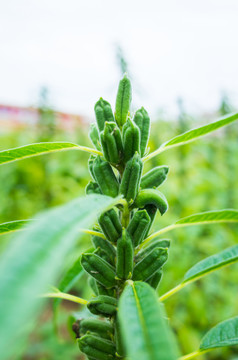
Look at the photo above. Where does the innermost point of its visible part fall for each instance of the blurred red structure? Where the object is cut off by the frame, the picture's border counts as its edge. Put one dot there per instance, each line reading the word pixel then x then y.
pixel 17 117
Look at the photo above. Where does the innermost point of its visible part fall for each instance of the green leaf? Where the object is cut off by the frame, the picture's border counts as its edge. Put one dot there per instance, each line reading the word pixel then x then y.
pixel 193 134
pixel 223 334
pixel 144 326
pixel 33 261
pixel 11 226
pixel 208 217
pixel 205 267
pixel 212 263
pixel 30 150
pixel 71 277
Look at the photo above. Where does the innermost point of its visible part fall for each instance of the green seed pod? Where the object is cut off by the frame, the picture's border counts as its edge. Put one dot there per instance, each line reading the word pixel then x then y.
pixel 99 327
pixel 142 120
pixel 110 225
pixel 104 291
pixel 131 139
pixel 151 197
pixel 103 255
pixel 154 177
pixel 154 280
pixel 105 177
pixel 123 101
pixel 103 112
pixel 93 284
pixel 97 348
pixel 92 188
pixel 94 136
pixel 164 243
pixel 150 264
pixel 120 346
pixel 125 255
pixel 90 165
pixel 112 143
pixel 151 211
pixel 138 226
pixel 103 305
pixel 105 245
pixel 98 268
pixel 130 182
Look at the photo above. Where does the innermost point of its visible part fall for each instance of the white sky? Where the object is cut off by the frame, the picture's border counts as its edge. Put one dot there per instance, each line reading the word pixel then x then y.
pixel 174 48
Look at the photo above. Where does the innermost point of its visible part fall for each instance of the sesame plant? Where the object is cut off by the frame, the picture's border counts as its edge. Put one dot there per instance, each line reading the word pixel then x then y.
pixel 125 262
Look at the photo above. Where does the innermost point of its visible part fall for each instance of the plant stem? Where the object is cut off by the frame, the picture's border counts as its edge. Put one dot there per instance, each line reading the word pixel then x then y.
pixel 89 150
pixel 65 296
pixel 154 153
pixel 173 291
pixel 194 354
pixel 92 232
pixel 157 233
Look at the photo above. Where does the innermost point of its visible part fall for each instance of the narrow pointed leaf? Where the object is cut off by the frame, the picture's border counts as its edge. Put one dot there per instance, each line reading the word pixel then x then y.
pixel 208 217
pixel 33 261
pixel 11 226
pixel 212 263
pixel 223 334
pixel 30 150
pixel 194 134
pixel 205 267
pixel 144 326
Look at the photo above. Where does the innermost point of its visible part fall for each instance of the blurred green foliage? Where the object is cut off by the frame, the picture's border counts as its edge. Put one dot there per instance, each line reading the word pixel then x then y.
pixel 203 176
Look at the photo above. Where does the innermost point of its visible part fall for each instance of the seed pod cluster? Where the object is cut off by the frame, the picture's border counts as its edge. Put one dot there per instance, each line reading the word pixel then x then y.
pixel 111 141
pixel 119 253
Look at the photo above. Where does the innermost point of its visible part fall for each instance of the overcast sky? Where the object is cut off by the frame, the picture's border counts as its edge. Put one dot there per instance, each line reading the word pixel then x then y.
pixel 185 48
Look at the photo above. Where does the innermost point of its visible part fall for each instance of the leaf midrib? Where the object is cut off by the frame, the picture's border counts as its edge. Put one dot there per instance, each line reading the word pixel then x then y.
pixel 143 322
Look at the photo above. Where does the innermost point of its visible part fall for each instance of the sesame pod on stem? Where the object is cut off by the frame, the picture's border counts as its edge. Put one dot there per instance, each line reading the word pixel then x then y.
pixel 105 245
pixel 92 188
pixel 98 268
pixel 154 177
pixel 104 291
pixel 162 243
pixel 103 112
pixel 123 101
pixel 105 177
pixel 130 181
pixel 103 255
pixel 154 280
pixel 151 197
pixel 112 143
pixel 138 226
pixel 120 346
pixel 103 305
pixel 151 211
pixel 125 256
pixel 142 120
pixel 99 327
pixel 130 139
pixel 93 285
pixel 90 165
pixel 110 225
pixel 94 136
pixel 97 348
pixel 150 264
